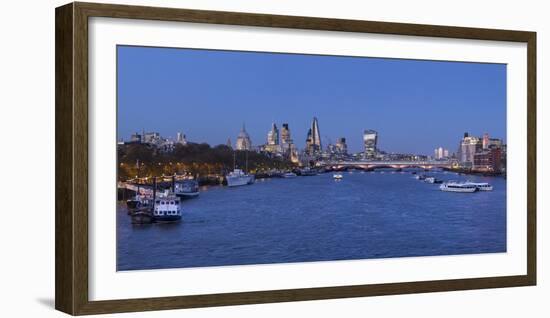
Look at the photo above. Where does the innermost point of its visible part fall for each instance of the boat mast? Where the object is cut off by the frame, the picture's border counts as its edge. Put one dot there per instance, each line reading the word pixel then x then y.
pixel 174 183
pixel 154 191
pixel 246 162
pixel 138 180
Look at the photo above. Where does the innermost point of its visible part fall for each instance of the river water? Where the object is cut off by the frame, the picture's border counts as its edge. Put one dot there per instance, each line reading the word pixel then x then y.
pixel 365 215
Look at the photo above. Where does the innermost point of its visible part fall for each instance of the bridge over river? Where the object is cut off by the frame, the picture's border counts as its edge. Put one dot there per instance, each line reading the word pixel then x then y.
pixel 363 164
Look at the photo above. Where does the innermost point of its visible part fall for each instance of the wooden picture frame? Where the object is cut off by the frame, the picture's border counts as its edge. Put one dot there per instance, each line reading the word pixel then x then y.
pixel 72 280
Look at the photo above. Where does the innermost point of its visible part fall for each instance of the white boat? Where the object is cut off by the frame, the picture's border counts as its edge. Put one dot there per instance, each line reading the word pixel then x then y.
pixel 453 186
pixel 289 175
pixel 238 178
pixel 167 208
pixel 338 176
pixel 481 186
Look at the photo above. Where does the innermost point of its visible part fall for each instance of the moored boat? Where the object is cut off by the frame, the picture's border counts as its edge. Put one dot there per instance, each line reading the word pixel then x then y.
pixel 138 202
pixel 167 208
pixel 142 216
pixel 238 178
pixel 132 203
pixel 338 176
pixel 187 189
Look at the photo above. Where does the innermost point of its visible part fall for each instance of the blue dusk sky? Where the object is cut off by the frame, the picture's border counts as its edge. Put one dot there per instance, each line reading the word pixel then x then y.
pixel 414 105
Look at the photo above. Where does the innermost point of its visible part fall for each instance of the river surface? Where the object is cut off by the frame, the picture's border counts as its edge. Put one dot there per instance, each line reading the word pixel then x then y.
pixel 315 218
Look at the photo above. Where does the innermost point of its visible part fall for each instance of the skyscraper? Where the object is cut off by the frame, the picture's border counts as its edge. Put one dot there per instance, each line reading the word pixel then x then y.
pixel 287 147
pixel 243 140
pixel 273 135
pixel 468 147
pixel 286 140
pixel 313 140
pixel 272 144
pixel 441 153
pixel 341 145
pixel 370 139
pixel 285 135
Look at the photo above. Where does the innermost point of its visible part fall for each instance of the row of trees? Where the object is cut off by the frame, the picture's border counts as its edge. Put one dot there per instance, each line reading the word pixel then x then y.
pixel 196 159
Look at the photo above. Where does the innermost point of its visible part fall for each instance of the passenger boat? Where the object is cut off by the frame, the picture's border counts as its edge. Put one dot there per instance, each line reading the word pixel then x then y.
pixel 167 208
pixel 338 176
pixel 481 186
pixel 289 175
pixel 420 177
pixel 453 186
pixel 187 189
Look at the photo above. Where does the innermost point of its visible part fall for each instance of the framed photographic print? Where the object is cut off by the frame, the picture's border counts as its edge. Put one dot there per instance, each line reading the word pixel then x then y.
pixel 211 158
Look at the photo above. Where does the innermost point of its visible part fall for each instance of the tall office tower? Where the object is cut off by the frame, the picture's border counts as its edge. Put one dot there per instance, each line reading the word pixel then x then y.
pixel 341 145
pixel 468 147
pixel 313 140
pixel 273 135
pixel 370 139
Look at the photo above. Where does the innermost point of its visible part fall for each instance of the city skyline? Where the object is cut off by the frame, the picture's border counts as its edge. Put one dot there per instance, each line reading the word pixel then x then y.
pixel 340 142
pixel 479 91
